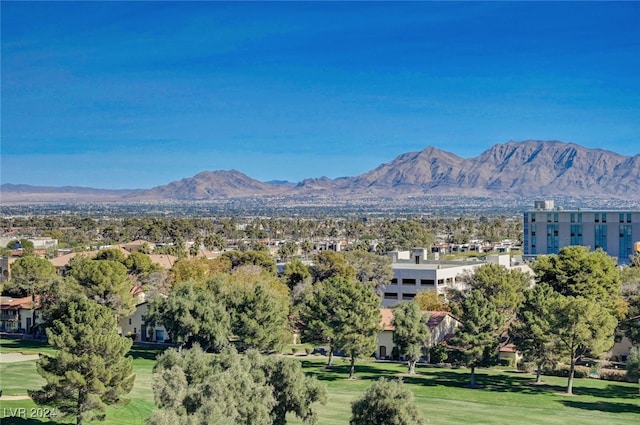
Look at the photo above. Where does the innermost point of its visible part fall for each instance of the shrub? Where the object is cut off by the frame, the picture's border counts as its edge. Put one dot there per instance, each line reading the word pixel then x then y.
pixel 308 350
pixel 527 367
pixel 563 371
pixel 438 354
pixel 505 362
pixel 613 375
pixel 386 402
pixel 294 350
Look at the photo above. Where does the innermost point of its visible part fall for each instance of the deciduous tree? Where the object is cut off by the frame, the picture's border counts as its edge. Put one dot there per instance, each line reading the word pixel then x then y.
pixel 431 301
pixel 371 269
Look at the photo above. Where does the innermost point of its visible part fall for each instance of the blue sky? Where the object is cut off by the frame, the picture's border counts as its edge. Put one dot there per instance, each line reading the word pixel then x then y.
pixel 138 94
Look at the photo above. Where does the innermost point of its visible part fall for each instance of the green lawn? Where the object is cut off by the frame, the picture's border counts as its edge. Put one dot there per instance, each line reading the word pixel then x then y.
pixel 506 397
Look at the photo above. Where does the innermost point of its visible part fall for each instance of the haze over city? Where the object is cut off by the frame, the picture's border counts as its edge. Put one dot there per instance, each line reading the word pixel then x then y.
pixel 137 94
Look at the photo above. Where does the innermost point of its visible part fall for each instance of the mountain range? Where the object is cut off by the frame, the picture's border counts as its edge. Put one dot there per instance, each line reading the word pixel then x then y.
pixel 514 169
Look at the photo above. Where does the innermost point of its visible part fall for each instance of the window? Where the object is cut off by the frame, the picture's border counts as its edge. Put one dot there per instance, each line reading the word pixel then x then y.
pixel 533 217
pixel 628 217
pixel 552 239
pixel 573 217
pixel 408 281
pixel 390 296
pixel 604 217
pixel 548 217
pixel 625 241
pixel 576 234
pixel 579 217
pixel 621 215
pixel 427 282
pixel 597 217
pixel 394 281
pixel 440 281
pixel 408 297
pixel 601 236
pixel 555 217
pixel 129 320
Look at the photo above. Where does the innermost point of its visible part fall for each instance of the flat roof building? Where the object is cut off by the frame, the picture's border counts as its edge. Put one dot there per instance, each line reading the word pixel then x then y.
pixel 415 271
pixel 547 229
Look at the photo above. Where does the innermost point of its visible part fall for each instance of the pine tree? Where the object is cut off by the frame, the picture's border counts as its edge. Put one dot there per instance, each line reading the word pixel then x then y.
pixel 90 369
pixel 411 331
pixel 580 326
pixel 358 321
pixel 478 338
pixel 531 331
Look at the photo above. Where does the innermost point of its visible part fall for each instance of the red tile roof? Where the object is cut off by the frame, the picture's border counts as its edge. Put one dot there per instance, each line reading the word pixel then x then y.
pixel 9 303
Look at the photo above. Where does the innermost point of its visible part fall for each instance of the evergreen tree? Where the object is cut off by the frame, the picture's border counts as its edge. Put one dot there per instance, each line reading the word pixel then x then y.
pixel 106 282
pixel 477 339
pixel 358 321
pixel 30 276
pixel 192 315
pixel 531 331
pixel 411 333
pixel 193 388
pixel 330 264
pixel 296 273
pixel 90 369
pixel 503 287
pixel 259 307
pixel 579 326
pixel 576 271
pixel 385 403
pixel 633 366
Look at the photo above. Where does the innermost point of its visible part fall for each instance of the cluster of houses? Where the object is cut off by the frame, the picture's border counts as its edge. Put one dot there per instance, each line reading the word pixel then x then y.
pixel 413 271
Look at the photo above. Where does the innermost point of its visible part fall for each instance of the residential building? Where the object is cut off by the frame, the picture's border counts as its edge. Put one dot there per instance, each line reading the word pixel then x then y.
pixel 135 326
pixel 547 229
pixel 441 325
pixel 18 315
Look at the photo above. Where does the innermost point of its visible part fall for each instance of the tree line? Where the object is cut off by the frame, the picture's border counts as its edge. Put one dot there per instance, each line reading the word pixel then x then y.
pixel 239 302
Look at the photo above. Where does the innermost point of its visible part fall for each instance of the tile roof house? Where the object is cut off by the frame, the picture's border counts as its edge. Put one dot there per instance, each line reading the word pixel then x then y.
pixel 18 315
pixel 441 324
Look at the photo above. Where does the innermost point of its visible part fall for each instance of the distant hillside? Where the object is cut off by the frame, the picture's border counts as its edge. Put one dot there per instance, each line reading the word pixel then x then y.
pixel 514 169
pixel 207 185
pixel 531 168
pixel 23 193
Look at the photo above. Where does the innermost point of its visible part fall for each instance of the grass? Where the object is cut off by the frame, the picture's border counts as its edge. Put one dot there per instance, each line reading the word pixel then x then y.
pixel 506 397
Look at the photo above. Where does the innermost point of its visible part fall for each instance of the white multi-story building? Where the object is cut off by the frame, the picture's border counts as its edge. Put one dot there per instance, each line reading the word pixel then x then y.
pixel 547 229
pixel 414 271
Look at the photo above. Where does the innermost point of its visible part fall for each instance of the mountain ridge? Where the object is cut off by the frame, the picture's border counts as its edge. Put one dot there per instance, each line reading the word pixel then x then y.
pixel 511 169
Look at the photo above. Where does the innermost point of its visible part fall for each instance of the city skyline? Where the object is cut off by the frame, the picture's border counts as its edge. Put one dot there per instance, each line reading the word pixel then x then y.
pixel 134 95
